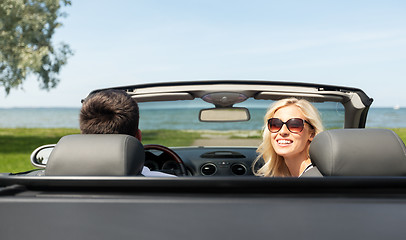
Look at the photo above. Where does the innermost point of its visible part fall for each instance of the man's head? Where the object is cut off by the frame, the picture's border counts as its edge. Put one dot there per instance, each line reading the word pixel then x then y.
pixel 110 112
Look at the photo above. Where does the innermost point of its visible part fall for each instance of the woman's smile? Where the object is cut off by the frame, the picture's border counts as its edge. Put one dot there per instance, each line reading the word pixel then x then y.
pixel 284 142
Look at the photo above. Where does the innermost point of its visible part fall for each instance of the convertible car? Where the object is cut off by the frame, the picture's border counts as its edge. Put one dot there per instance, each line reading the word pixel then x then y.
pixel 206 133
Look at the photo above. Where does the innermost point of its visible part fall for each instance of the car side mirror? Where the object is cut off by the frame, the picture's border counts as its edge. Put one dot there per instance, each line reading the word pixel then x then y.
pixel 228 114
pixel 39 157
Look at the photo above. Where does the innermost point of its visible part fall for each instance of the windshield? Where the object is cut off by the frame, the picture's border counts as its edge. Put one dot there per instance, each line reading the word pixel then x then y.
pixel 177 123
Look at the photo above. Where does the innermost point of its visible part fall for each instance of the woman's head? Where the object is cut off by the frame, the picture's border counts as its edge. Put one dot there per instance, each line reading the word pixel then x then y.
pixel 289 127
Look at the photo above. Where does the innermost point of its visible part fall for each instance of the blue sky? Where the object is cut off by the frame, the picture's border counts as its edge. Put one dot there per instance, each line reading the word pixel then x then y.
pixel 352 43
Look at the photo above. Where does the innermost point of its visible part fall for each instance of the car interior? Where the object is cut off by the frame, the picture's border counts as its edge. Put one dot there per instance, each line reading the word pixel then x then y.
pixel 351 151
pixel 378 152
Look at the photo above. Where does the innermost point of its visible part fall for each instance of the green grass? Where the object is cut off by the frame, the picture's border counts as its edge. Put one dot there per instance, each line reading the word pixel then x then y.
pixel 169 138
pixel 401 132
pixel 17 144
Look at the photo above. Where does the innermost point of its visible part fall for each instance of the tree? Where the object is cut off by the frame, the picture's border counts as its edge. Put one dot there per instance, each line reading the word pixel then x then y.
pixel 26 30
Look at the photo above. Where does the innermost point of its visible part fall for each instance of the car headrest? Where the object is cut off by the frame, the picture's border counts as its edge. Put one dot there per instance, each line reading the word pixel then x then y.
pixel 359 152
pixel 96 155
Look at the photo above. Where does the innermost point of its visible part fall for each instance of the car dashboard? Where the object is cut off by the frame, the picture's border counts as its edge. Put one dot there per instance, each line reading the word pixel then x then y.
pixel 205 161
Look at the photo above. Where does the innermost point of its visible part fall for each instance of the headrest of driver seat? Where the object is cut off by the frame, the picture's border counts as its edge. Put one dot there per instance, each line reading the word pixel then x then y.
pixel 359 152
pixel 96 155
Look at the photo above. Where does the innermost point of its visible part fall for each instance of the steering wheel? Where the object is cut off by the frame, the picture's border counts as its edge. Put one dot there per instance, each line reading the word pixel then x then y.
pixel 174 156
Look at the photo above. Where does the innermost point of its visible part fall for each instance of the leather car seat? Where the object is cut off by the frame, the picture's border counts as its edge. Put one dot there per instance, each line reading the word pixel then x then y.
pixel 359 152
pixel 96 155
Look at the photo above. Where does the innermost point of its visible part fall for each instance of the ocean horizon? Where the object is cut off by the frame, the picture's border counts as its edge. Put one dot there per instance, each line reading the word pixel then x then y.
pixel 65 117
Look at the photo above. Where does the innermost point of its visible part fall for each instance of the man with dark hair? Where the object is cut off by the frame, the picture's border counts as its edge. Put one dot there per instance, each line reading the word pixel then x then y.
pixel 112 112
pixel 109 112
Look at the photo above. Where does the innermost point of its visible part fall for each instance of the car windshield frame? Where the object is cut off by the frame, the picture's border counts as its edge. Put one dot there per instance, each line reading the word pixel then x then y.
pixel 355 101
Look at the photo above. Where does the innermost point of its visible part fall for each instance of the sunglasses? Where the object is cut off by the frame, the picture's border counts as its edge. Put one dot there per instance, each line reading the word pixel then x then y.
pixel 294 125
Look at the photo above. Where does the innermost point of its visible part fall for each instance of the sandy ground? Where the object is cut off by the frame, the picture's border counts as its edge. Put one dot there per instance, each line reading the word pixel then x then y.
pixel 251 138
pixel 227 142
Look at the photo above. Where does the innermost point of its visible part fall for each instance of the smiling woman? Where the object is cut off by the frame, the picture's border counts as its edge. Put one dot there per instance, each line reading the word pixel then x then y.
pixel 290 126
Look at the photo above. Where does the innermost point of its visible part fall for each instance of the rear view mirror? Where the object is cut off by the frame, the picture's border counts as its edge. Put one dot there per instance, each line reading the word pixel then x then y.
pixel 232 114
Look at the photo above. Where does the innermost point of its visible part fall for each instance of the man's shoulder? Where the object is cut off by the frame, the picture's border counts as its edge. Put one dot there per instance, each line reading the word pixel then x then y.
pixel 148 173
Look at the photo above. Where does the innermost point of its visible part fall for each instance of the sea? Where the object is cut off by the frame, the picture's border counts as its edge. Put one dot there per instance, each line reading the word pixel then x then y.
pixel 156 118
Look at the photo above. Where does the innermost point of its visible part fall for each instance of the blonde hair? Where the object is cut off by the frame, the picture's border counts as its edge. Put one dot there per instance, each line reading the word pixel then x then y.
pixel 274 165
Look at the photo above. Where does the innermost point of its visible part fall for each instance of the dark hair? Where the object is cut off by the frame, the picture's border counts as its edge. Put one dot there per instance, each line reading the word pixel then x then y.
pixel 109 112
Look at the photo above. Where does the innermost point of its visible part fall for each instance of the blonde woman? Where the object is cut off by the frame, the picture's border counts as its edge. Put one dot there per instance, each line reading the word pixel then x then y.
pixel 290 126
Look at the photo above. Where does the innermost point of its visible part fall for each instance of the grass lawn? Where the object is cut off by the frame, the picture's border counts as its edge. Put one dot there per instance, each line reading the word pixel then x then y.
pixel 17 144
pixel 401 132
